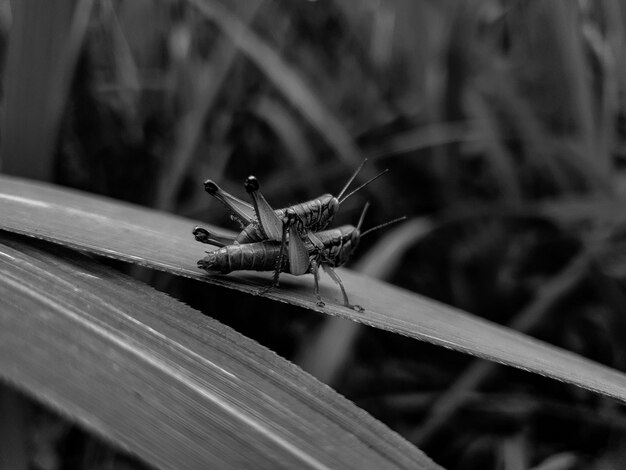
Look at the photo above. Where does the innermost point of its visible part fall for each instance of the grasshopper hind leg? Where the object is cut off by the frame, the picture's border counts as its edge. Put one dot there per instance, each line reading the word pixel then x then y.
pixel 297 255
pixel 202 235
pixel 279 261
pixel 269 222
pixel 333 275
pixel 316 277
pixel 240 211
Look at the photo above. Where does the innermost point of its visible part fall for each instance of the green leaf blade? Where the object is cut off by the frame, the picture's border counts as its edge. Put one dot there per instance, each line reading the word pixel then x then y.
pixel 162 241
pixel 161 380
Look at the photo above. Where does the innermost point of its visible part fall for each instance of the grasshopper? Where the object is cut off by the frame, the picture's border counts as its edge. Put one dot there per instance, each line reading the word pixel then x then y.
pixel 260 222
pixel 332 248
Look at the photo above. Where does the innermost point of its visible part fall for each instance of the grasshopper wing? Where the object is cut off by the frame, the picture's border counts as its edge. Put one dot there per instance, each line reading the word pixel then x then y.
pixel 271 225
pixel 298 253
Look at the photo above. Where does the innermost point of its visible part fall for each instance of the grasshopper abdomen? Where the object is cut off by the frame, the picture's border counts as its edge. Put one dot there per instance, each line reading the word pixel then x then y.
pixel 259 256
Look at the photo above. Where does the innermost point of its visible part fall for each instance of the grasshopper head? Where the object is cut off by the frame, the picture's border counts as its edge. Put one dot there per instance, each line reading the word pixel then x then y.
pixel 355 237
pixel 326 207
pixel 333 205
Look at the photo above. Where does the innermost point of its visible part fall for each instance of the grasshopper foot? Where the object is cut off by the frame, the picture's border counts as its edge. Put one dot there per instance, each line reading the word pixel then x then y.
pixel 320 303
pixel 267 289
pixel 358 308
pixel 202 235
pixel 210 187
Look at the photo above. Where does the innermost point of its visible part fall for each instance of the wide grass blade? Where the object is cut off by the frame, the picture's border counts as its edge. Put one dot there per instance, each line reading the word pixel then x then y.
pixel 167 383
pixel 44 45
pixel 162 241
pixel 284 77
pixel 208 84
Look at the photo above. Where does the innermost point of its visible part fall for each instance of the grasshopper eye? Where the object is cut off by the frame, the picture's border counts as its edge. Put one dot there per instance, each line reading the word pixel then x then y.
pixel 355 236
pixel 333 205
pixel 251 184
pixel 210 187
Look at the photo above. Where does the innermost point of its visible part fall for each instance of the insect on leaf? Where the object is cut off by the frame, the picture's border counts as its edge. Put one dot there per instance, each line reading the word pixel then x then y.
pixel 163 241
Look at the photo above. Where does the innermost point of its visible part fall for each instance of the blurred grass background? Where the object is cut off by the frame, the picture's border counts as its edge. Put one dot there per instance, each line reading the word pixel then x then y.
pixel 502 124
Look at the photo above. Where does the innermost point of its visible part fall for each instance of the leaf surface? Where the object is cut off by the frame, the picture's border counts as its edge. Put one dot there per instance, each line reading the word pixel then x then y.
pixel 169 384
pixel 163 241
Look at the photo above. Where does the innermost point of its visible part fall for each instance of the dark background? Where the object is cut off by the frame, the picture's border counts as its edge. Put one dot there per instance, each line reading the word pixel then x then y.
pixel 502 124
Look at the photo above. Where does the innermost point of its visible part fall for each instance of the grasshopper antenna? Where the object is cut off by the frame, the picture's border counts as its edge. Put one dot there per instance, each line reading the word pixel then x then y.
pixel 362 218
pixel 354 175
pixel 370 230
pixel 362 186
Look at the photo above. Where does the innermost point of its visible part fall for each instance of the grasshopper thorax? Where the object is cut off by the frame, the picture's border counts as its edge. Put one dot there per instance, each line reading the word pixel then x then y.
pixel 316 214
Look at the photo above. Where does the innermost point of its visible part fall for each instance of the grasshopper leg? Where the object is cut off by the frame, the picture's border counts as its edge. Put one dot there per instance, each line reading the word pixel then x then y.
pixel 241 211
pixel 333 275
pixel 298 254
pixel 316 277
pixel 281 255
pixel 270 224
pixel 279 260
pixel 204 236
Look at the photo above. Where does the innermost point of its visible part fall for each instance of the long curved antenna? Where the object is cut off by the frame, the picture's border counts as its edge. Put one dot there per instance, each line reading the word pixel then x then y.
pixel 370 230
pixel 363 212
pixel 345 188
pixel 363 185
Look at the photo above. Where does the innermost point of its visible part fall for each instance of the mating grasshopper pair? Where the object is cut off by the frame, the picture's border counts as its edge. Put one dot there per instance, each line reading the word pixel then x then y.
pixel 291 240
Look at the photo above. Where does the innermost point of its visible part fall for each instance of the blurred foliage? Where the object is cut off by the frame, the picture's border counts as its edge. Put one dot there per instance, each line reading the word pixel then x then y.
pixel 503 125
